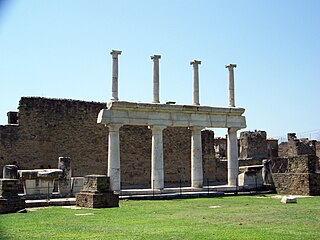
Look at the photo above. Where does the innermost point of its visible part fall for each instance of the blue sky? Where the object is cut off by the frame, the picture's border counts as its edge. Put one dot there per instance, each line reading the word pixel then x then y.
pixel 60 49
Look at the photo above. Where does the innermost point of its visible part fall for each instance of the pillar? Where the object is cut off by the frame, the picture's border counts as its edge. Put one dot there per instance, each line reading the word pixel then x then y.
pixel 196 158
pixel 114 158
pixel 233 165
pixel 157 170
pixel 231 84
pixel 10 172
pixel 195 99
pixel 115 55
pixel 155 59
pixel 65 181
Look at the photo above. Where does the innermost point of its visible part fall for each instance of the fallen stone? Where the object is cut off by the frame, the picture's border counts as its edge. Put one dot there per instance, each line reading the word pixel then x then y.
pixel 22 211
pixel 288 199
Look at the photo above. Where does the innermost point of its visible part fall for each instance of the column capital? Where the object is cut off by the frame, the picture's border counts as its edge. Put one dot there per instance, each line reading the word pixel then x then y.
pixel 114 127
pixel 115 53
pixel 157 127
pixel 196 128
pixel 231 66
pixel 155 57
pixel 195 62
pixel 233 130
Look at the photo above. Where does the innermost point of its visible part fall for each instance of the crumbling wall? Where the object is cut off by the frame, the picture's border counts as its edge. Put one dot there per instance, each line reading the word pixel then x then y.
pixel 300 176
pixel 296 147
pixel 272 146
pixel 253 144
pixel 51 128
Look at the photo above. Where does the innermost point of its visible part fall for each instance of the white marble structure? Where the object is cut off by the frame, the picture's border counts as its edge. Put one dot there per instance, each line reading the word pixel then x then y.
pixel 155 59
pixel 195 64
pixel 231 84
pixel 159 116
pixel 115 54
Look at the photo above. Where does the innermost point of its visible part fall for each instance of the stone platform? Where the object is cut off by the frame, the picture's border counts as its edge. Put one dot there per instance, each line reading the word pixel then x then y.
pixel 96 193
pixel 9 199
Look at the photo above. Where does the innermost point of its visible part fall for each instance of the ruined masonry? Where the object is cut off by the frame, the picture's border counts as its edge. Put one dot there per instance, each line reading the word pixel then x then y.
pixel 159 116
pixel 45 129
pixel 9 189
pixel 96 193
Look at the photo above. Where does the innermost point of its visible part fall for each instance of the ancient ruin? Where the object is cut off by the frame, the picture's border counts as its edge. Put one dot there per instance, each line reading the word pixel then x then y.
pixel 160 116
pixel 151 145
pixel 96 193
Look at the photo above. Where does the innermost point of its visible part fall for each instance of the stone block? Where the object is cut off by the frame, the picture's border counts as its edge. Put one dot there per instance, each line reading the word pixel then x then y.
pixel 28 174
pixel 97 200
pixel 9 188
pixel 11 205
pixel 96 183
pixel 38 187
pixel 65 180
pixel 251 177
pixel 10 171
pixel 288 199
pixel 50 173
pixel 76 184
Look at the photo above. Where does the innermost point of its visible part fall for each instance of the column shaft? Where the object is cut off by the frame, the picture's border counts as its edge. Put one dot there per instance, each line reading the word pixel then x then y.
pixel 231 84
pixel 114 158
pixel 195 98
pixel 233 165
pixel 155 59
pixel 115 55
pixel 196 159
pixel 157 171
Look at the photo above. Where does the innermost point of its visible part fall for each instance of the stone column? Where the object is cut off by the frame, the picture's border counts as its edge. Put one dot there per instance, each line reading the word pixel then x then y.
pixel 195 64
pixel 114 157
pixel 155 59
pixel 157 171
pixel 65 181
pixel 10 172
pixel 196 158
pixel 233 165
pixel 115 55
pixel 231 84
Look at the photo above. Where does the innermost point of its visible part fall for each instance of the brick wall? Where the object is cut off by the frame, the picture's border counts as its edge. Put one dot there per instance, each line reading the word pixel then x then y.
pixel 51 128
pixel 299 176
pixel 253 144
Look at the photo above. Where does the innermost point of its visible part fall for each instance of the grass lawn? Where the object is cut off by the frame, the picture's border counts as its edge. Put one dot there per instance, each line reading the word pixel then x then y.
pixel 236 217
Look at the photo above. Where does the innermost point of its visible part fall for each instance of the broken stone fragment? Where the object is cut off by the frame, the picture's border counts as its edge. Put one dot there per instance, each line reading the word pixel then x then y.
pixel 289 199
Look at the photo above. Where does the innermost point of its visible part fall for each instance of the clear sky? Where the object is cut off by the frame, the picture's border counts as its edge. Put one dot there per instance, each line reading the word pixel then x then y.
pixel 60 49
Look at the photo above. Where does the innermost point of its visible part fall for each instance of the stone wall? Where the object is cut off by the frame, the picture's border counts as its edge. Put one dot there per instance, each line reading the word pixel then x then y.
pixel 253 144
pixel 296 147
pixel 272 146
pixel 51 128
pixel 318 149
pixel 298 177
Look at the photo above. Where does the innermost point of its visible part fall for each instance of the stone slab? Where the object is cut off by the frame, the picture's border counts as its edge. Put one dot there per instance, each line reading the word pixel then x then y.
pixel 96 183
pixel 97 200
pixel 147 114
pixel 288 199
pixel 11 205
pixel 9 188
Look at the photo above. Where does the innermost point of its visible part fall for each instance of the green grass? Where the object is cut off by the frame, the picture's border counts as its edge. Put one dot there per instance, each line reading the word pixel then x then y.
pixel 236 217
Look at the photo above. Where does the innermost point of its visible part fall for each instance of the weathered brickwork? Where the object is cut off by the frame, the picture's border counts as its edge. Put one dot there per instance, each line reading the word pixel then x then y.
pixel 296 147
pixel 9 199
pixel 51 128
pixel 300 176
pixel 96 193
pixel 253 144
